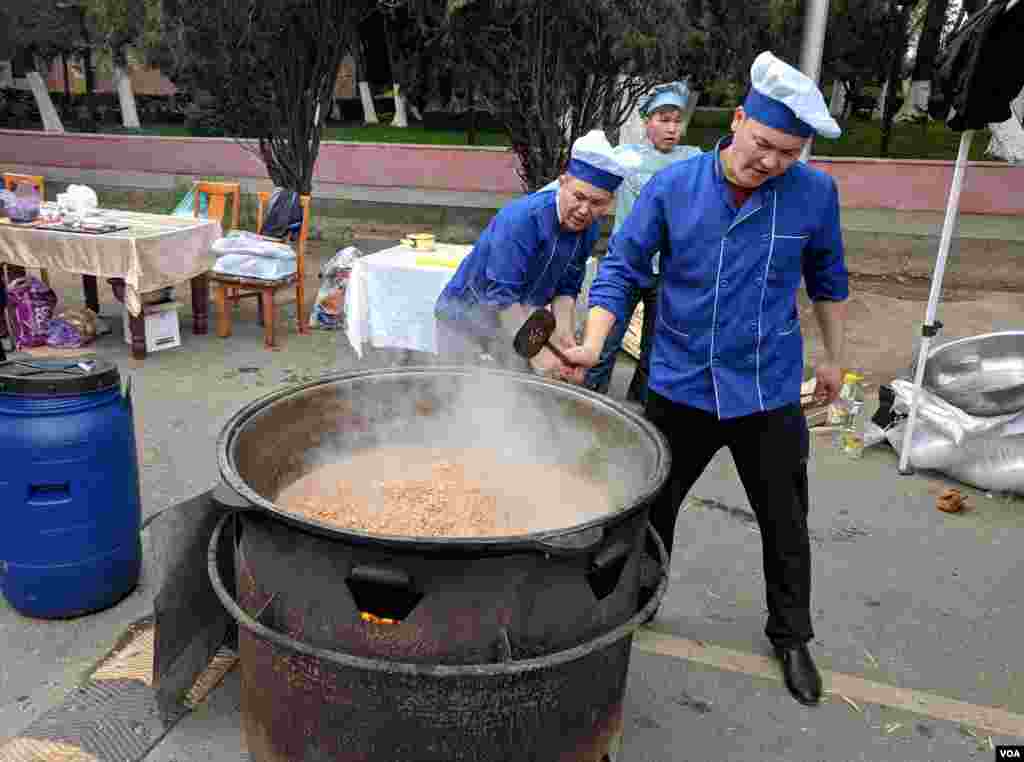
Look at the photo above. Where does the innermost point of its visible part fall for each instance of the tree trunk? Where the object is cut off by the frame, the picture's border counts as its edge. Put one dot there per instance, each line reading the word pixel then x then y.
pixel 883 96
pixel 362 86
pixel 369 112
pixel 899 25
pixel 689 111
pixel 51 119
pixel 67 79
pixel 1007 141
pixel 632 130
pixel 916 106
pixel 90 71
pixel 400 119
pixel 837 105
pixel 125 95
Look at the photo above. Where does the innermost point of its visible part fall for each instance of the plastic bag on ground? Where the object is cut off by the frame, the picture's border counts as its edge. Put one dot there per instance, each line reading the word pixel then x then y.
pixel 328 310
pixel 33 303
pixel 72 328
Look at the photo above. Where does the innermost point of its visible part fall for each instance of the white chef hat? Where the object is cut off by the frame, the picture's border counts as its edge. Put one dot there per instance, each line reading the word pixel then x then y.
pixel 786 99
pixel 593 161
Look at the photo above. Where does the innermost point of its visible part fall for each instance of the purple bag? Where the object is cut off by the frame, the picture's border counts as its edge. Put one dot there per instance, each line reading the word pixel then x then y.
pixel 25 206
pixel 33 303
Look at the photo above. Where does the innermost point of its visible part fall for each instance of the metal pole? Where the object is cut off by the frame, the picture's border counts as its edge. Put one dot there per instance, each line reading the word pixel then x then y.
pixel 815 23
pixel 931 327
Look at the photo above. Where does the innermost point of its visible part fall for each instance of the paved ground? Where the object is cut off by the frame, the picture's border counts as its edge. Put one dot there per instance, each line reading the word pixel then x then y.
pixel 915 610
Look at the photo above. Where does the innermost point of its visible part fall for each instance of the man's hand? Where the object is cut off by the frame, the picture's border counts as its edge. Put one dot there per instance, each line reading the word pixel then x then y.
pixel 829 379
pixel 583 356
pixel 544 363
pixel 588 354
pixel 565 341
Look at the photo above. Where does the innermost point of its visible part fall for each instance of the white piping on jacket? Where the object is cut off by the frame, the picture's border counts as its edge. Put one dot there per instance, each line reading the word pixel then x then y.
pixel 760 308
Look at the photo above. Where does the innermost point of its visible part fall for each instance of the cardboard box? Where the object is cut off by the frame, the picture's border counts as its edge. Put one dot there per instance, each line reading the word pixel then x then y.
pixel 163 329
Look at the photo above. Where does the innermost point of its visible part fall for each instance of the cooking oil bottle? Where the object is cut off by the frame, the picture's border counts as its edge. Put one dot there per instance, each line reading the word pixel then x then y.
pixel 846 414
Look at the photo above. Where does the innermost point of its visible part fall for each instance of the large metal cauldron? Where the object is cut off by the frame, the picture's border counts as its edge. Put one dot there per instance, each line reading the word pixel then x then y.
pixel 483 607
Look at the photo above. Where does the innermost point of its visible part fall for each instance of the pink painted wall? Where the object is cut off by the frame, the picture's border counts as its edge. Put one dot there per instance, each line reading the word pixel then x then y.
pixel 923 185
pixel 990 187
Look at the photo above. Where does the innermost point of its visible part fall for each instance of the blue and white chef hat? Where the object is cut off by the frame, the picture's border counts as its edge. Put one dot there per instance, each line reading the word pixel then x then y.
pixel 674 94
pixel 593 161
pixel 787 99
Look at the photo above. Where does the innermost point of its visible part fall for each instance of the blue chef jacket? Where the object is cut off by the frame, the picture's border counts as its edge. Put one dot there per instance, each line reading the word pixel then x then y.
pixel 727 338
pixel 523 256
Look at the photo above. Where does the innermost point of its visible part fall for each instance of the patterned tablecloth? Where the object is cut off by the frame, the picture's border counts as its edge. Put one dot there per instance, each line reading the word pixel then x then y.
pixel 155 251
pixel 391 296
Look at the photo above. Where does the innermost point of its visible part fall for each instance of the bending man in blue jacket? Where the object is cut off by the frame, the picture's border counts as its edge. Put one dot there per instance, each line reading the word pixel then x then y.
pixel 737 228
pixel 532 254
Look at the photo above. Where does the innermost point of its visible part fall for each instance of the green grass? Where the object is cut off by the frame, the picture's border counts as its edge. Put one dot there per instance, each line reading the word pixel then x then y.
pixel 413 134
pixel 365 134
pixel 860 137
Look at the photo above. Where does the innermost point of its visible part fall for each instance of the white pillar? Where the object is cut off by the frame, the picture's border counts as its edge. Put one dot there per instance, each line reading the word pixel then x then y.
pixel 880 103
pixel 123 83
pixel 400 119
pixel 51 119
pixel 1007 141
pixel 837 105
pixel 369 112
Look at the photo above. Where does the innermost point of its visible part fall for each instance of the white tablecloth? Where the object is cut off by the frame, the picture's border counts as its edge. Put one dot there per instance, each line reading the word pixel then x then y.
pixel 390 299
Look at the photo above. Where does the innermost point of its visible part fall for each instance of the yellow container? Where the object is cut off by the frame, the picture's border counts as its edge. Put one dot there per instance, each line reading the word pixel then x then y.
pixel 419 241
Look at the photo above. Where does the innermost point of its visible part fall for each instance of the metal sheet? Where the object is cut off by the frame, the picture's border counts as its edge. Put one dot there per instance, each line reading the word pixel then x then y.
pixel 191 624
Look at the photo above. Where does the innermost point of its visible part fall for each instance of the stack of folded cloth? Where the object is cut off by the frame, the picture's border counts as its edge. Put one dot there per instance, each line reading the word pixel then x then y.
pixel 247 255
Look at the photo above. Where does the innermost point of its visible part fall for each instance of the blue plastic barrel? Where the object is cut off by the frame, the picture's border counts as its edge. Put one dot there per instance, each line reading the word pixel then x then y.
pixel 70 509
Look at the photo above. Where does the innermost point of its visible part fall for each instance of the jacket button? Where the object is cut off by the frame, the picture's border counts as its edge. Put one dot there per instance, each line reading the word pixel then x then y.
pixel 725 284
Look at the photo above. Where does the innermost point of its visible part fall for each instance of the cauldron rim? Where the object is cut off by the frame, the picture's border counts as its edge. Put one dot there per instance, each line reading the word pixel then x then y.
pixel 576 538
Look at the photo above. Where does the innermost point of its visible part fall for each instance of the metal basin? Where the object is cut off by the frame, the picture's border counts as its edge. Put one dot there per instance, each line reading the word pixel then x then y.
pixel 982 375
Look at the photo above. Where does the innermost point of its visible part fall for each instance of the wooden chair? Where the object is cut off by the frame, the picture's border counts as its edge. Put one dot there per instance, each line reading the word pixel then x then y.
pixel 228 290
pixel 217 201
pixel 12 181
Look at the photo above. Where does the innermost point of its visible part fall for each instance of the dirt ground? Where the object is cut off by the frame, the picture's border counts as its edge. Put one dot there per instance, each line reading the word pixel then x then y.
pixel 885 316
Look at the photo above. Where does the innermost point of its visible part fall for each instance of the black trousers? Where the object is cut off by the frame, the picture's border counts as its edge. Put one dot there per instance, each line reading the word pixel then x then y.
pixel 770 450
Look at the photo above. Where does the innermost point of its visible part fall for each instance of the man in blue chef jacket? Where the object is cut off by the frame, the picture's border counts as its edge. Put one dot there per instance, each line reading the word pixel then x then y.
pixel 532 254
pixel 737 228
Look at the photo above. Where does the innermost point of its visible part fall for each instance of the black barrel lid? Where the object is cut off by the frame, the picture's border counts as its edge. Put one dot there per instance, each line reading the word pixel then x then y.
pixel 38 376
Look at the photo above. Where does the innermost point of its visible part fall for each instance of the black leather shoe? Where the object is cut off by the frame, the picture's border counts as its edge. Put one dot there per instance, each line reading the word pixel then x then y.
pixel 802 677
